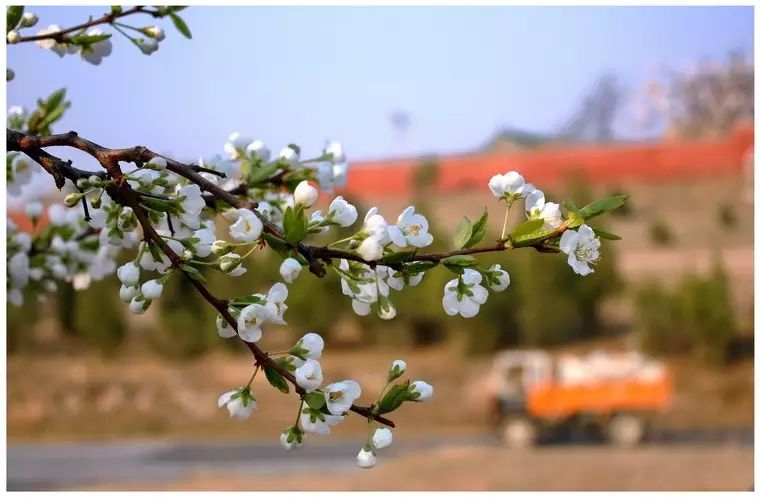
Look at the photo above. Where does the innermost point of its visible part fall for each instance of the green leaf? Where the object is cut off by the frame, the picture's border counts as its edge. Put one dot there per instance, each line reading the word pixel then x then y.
pixel 54 100
pixel 532 237
pixel 399 256
pixel 527 227
pixel 393 398
pixel 13 16
pixel 276 380
pixel 419 266
pixel 315 399
pixel 606 235
pixel 180 25
pixel 602 206
pixel 276 244
pixel 574 220
pixel 478 230
pixel 193 273
pixel 455 263
pixel 295 225
pixel 463 233
pixel 261 173
pixel 86 40
pixel 570 205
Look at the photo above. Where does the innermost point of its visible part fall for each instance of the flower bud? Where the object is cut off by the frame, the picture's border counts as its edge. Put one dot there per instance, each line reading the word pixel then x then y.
pixel 147 46
pixel 138 305
pixel 305 194
pixel 83 183
pixel 34 210
pixel 9 74
pixel 290 269
pixel 126 293
pixel 13 36
pixel 154 32
pixel 29 19
pixel 257 150
pixel 72 200
pixel 398 367
pixel 152 289
pixel 366 459
pixel 157 163
pixel 419 390
pixel 382 438
pixel 220 247
pixel 291 438
pixel 129 273
pixel 229 262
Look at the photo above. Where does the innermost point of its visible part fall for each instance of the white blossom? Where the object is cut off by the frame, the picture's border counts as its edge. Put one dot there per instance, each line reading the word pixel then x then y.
pixel 236 145
pixel 13 36
pixel 94 53
pixel 536 207
pixel 289 155
pixel 309 346
pixel 250 320
pixel 316 422
pixel 291 439
pixel 341 212
pixel 510 186
pixel 224 328
pixel 339 396
pixel 582 249
pixel 498 278
pixel 34 210
pixel 309 375
pixel 464 295
pixel 414 229
pixel 248 226
pixel 257 150
pixel 240 403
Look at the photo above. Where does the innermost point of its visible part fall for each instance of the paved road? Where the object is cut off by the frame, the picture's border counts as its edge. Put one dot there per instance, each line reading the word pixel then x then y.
pixel 48 466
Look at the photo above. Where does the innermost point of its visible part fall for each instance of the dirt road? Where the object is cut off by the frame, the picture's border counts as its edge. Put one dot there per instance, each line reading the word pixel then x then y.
pixel 674 461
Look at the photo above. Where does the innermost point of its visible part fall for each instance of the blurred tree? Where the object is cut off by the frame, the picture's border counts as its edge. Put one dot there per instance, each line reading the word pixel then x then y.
pixel 707 100
pixel 98 316
pixel 594 120
pixel 697 316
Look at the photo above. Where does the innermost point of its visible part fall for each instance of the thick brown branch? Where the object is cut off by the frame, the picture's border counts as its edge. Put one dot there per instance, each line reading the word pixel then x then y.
pixel 123 194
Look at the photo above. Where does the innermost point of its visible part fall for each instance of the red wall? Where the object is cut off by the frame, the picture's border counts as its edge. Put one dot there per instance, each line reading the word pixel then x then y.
pixel 653 162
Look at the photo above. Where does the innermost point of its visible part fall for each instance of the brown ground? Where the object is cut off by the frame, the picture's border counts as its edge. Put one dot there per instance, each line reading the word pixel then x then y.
pixel 465 468
pixel 85 397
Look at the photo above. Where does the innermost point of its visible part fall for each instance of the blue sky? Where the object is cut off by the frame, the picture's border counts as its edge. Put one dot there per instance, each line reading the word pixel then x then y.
pixel 306 74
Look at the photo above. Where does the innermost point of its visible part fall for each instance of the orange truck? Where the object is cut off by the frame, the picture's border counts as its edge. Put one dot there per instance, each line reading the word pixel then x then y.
pixel 533 393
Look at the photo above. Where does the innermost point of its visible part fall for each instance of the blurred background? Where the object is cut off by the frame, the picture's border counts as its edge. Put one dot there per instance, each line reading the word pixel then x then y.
pixel 431 102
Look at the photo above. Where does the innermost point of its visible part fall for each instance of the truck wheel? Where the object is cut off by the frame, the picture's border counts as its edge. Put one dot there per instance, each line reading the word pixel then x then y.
pixel 625 430
pixel 519 432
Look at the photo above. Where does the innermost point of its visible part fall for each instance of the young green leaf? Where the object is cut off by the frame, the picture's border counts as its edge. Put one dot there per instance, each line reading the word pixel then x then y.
pixel 606 235
pixel 13 16
pixel 315 399
pixel 463 233
pixel 602 206
pixel 526 228
pixel 393 398
pixel 478 230
pixel 276 380
pixel 180 25
pixel 295 225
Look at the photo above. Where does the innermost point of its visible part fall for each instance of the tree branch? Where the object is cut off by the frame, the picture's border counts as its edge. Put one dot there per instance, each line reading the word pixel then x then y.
pixel 60 36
